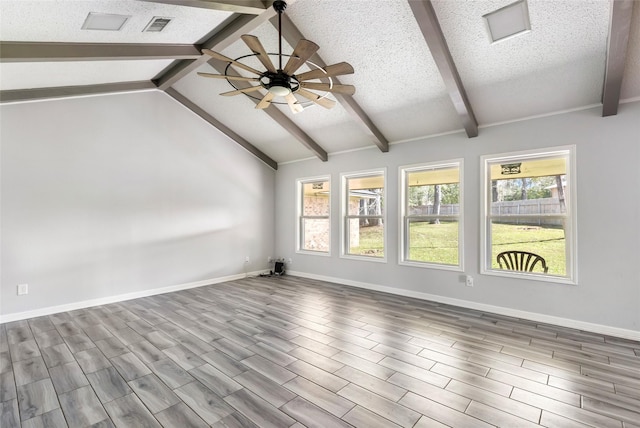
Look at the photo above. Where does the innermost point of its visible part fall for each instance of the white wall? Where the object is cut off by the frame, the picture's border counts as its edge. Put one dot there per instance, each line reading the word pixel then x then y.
pixel 112 195
pixel 607 296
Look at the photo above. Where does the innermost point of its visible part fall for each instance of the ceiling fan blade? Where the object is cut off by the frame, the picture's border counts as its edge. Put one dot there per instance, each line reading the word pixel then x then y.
pixel 257 48
pixel 221 57
pixel 303 51
pixel 266 101
pixel 293 104
pixel 324 102
pixel 328 71
pixel 340 89
pixel 241 91
pixel 222 76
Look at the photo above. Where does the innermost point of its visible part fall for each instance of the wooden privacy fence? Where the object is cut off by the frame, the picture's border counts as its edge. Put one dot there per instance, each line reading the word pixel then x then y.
pixel 541 212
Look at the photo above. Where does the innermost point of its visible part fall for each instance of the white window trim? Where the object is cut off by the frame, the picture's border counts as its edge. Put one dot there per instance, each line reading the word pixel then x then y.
pixel 344 210
pixel 571 246
pixel 402 223
pixel 299 183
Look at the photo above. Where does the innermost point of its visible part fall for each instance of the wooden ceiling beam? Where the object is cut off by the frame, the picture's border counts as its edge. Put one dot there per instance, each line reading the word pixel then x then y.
pixel 221 127
pixel 228 35
pixel 250 7
pixel 432 32
pixel 16 95
pixel 293 35
pixel 619 29
pixel 53 52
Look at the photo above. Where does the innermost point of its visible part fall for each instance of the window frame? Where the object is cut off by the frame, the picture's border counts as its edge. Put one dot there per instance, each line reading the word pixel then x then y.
pixel 345 216
pixel 571 225
pixel 300 217
pixel 403 224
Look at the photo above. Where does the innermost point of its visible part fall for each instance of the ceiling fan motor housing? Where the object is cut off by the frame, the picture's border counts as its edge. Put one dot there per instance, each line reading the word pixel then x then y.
pixel 280 83
pixel 279 5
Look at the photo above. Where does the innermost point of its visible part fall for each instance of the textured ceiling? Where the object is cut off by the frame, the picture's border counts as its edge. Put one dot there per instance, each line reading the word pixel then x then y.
pixel 560 64
pixel 61 21
pixel 45 74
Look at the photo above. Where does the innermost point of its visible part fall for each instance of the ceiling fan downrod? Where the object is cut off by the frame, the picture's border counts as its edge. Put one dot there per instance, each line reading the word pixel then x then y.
pixel 279 6
pixel 280 82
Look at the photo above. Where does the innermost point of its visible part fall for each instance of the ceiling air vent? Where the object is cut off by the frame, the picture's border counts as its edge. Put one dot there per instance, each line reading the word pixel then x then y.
pixel 508 21
pixel 157 24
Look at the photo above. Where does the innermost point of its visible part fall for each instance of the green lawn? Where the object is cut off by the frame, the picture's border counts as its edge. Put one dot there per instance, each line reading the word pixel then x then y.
pixel 437 243
pixel 547 242
pixel 371 239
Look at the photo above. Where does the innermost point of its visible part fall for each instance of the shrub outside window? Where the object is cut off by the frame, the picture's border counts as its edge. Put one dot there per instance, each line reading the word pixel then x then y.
pixel 363 208
pixel 431 207
pixel 530 209
pixel 314 215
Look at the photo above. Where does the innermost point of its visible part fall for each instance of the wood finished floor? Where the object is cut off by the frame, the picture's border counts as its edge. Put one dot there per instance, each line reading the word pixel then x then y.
pixel 292 352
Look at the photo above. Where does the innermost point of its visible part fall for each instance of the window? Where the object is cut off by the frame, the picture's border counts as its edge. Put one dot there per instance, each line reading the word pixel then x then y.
pixel 530 207
pixel 314 209
pixel 431 230
pixel 363 208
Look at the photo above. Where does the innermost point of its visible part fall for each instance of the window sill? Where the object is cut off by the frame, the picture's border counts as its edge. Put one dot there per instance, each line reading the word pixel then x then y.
pixel 530 276
pixel 314 253
pixel 364 258
pixel 426 265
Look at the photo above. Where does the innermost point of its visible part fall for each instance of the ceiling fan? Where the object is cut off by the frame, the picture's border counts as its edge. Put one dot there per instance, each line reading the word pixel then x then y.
pixel 282 81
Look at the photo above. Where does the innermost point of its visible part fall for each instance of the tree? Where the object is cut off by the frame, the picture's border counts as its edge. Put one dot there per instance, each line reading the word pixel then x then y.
pixel 417 196
pixel 450 193
pixel 362 210
pixel 523 191
pixel 377 206
pixel 437 196
pixel 560 187
pixel 371 207
pixel 519 189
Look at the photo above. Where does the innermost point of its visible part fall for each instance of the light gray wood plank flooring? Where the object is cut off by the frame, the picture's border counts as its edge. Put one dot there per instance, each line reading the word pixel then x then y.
pixel 293 352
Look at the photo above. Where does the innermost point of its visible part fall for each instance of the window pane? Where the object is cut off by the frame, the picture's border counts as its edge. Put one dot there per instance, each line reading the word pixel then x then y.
pixel 315 198
pixel 316 236
pixel 529 196
pixel 529 205
pixel 431 208
pixel 430 188
pixel 547 241
pixel 363 234
pixel 314 205
pixel 366 237
pixel 433 242
pixel 366 195
pixel 436 199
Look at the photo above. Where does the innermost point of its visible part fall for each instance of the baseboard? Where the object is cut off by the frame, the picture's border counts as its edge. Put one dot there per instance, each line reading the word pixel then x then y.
pixel 532 316
pixel 118 298
pixel 500 310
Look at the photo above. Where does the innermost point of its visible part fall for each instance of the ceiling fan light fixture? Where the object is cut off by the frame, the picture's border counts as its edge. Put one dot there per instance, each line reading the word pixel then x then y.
pixel 280 91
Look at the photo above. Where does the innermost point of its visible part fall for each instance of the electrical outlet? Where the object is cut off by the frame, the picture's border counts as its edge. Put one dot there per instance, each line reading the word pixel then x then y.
pixel 269 259
pixel 290 261
pixel 469 281
pixel 247 259
pixel 23 289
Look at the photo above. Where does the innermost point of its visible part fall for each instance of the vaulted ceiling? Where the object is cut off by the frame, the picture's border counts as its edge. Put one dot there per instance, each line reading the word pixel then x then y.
pixel 422 67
